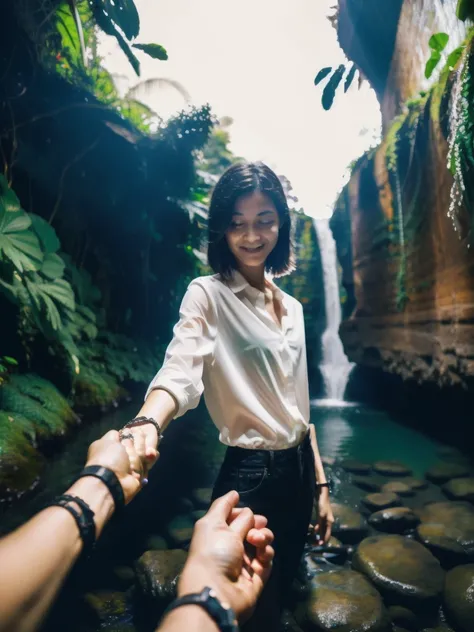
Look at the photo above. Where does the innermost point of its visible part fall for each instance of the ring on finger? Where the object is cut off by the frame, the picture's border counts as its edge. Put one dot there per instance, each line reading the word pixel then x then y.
pixel 126 435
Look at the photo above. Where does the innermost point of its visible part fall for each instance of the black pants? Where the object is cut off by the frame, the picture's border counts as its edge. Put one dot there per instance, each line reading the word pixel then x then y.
pixel 279 484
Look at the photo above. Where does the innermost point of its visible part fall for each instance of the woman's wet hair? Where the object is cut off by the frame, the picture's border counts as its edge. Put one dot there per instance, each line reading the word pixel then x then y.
pixel 239 180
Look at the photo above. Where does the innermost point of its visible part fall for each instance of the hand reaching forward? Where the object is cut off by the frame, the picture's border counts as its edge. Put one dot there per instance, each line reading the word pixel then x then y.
pixel 217 556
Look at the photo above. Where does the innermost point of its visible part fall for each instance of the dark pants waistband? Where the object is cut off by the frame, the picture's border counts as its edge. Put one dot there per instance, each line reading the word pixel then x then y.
pixel 235 454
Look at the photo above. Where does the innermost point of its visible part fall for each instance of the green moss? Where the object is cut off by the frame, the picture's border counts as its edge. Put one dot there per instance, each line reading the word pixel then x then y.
pixel 94 387
pixel 48 423
pixel 20 463
pixel 46 393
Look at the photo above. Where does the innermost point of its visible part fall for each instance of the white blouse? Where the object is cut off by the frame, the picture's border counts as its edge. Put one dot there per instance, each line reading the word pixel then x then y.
pixel 252 371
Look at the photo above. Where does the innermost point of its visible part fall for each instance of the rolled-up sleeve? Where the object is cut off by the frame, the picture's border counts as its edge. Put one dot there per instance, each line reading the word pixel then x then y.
pixel 192 345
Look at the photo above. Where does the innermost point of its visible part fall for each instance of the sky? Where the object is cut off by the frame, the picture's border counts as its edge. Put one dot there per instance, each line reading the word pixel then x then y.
pixel 255 61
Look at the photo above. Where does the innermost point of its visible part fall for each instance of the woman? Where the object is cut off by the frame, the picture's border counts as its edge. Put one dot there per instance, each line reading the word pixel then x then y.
pixel 241 341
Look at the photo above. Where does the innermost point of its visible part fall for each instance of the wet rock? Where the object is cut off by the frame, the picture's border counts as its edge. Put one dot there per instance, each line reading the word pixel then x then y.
pixel 288 623
pixel 334 551
pixel 460 489
pixel 197 514
pixel 156 543
pixel 180 529
pixel 398 487
pixel 415 483
pixel 124 575
pixel 455 520
pixel 443 543
pixel 375 502
pixel 459 597
pixel 157 574
pixel 106 605
pixel 355 467
pixel 444 471
pixel 366 483
pixel 391 468
pixel 400 568
pixel 394 520
pixel 349 526
pixel 344 601
pixel 404 618
pixel 201 497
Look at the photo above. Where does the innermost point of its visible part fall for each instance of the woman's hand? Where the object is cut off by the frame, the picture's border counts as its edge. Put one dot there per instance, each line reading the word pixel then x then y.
pixel 122 459
pixel 145 442
pixel 322 531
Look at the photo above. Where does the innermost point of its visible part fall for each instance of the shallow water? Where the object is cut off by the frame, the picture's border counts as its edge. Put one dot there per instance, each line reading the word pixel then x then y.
pixel 350 430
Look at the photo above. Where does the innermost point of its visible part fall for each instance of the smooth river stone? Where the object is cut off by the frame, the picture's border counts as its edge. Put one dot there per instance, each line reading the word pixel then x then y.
pixel 415 483
pixel 400 568
pixel 454 519
pixel 394 520
pixel 201 496
pixel 443 542
pixel 444 471
pixel 355 467
pixel 106 604
pixel 349 526
pixel 344 601
pixel 366 483
pixel 158 572
pixel 375 502
pixel 180 529
pixel 460 489
pixel 391 468
pixel 398 487
pixel 459 597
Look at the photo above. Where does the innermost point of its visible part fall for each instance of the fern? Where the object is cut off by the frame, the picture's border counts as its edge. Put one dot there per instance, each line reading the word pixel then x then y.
pixel 49 424
pixel 46 393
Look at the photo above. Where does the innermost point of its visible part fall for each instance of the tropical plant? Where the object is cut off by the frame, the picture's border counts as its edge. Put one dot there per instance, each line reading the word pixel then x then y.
pixel 335 77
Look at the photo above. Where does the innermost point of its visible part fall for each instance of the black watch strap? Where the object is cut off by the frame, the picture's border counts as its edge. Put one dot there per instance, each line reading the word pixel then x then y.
pixel 222 614
pixel 109 478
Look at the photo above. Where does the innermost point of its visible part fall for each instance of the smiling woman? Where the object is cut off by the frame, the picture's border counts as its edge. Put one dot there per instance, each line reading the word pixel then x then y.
pixel 240 341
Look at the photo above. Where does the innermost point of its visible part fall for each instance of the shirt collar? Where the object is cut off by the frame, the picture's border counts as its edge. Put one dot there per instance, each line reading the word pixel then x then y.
pixel 238 282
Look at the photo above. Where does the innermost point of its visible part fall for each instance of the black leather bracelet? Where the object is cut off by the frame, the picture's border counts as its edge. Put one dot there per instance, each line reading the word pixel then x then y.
pixel 319 485
pixel 220 613
pixel 84 519
pixel 110 480
pixel 141 421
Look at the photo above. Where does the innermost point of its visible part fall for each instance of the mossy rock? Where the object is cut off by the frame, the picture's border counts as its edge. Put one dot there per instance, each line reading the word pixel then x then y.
pixel 376 502
pixel 415 483
pixel 398 487
pixel 344 601
pixel 460 489
pixel 452 520
pixel 366 483
pixel 355 467
pixel 46 394
pixel 394 520
pixel 444 471
pixel 349 526
pixel 95 388
pixel 157 574
pixel 106 605
pixel 391 468
pixel 20 462
pixel 402 569
pixel 443 542
pixel 201 497
pixel 458 597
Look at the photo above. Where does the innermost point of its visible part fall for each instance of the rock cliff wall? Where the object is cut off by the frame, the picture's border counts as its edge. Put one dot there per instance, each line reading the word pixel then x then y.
pixel 403 244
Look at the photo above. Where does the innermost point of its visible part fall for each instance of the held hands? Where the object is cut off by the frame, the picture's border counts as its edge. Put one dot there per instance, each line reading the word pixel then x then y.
pixel 123 460
pixel 217 556
pixel 322 530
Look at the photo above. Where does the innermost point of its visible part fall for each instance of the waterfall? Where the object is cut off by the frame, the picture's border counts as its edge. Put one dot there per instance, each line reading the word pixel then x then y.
pixel 335 367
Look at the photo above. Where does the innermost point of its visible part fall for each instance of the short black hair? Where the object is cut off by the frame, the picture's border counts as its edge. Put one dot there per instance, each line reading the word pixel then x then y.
pixel 244 179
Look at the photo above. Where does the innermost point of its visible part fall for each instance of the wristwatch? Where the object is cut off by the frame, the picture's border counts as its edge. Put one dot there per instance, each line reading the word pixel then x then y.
pixel 222 614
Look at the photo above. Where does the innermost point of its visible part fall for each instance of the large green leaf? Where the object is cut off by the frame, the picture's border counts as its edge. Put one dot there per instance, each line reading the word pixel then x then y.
pixel 46 233
pixel 121 13
pixel 8 199
pixel 48 298
pixel 70 39
pixel 18 244
pixel 438 41
pixel 432 62
pixel 153 50
pixel 53 266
